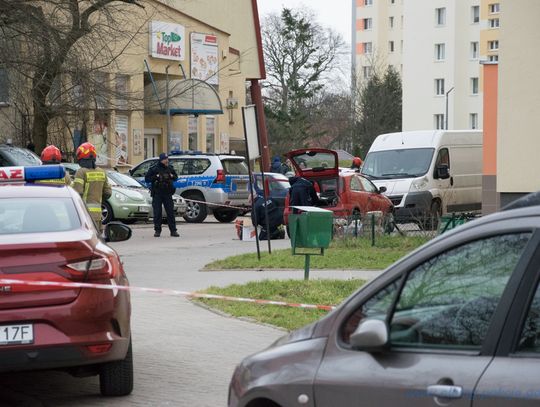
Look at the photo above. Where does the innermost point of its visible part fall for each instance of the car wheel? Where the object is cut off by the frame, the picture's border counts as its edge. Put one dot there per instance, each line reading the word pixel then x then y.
pixel 107 214
pixel 116 378
pixel 225 216
pixel 196 212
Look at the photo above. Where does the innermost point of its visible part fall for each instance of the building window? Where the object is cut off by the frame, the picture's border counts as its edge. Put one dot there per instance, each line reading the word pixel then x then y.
pixel 368 47
pixel 439 52
pixel 368 2
pixel 392 1
pixel 438 120
pixel 493 45
pixel 368 23
pixel 391 46
pixel 391 22
pixel 440 16
pixel 439 87
pixel 210 134
pixel 474 86
pixel 474 50
pixel 493 58
pixel 494 8
pixel 475 14
pixel 121 92
pixel 193 133
pixel 366 71
pixel 473 120
pixel 493 23
pixel 4 86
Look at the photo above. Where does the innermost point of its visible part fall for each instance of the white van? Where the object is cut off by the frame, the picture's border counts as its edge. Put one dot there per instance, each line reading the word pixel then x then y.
pixel 428 173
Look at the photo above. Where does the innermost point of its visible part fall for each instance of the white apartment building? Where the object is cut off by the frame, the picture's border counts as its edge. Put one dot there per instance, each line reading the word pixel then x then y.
pixel 438 51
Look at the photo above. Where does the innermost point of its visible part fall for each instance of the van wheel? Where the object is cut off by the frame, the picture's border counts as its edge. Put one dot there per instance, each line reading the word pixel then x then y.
pixel 116 378
pixel 433 217
pixel 225 216
pixel 196 212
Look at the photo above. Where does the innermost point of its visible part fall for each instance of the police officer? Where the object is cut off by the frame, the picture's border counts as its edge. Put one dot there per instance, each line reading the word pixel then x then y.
pixel 91 182
pixel 51 155
pixel 302 193
pixel 161 178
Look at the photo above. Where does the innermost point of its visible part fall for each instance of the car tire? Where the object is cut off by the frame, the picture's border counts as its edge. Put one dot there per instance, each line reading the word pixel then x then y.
pixel 225 216
pixel 196 212
pixel 116 378
pixel 107 214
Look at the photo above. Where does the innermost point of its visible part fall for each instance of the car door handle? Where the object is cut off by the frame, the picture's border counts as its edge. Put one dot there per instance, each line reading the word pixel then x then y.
pixel 443 391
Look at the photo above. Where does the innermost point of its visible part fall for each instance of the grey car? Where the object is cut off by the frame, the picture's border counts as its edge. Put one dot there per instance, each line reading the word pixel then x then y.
pixel 455 323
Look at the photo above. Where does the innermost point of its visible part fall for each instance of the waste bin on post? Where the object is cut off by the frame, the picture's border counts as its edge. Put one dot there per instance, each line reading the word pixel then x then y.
pixel 310 228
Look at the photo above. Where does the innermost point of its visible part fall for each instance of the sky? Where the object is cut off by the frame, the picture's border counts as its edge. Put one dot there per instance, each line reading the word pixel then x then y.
pixel 331 13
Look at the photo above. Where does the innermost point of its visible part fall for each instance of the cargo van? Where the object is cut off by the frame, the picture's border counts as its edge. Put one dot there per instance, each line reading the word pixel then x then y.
pixel 428 173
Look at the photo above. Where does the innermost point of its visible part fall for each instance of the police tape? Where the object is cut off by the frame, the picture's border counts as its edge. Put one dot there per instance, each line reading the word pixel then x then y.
pixel 4 283
pixel 240 208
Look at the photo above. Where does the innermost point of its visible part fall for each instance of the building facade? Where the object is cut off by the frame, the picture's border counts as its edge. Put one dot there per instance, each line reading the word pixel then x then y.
pixel 203 60
pixel 435 46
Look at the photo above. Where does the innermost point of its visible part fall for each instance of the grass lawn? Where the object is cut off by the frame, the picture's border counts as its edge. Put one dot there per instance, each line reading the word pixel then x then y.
pixel 319 292
pixel 347 254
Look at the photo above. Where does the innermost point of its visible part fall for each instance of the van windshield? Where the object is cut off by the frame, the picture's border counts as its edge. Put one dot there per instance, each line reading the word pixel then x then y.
pixel 405 163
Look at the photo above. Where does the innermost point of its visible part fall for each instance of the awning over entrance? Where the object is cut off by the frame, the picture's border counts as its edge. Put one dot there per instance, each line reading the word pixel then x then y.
pixel 186 97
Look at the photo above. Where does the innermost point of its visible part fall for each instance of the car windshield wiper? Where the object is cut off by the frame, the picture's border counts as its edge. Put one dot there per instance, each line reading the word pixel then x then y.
pixel 399 174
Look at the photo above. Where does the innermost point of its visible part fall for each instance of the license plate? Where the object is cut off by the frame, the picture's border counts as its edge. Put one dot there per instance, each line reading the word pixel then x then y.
pixel 16 334
pixel 144 209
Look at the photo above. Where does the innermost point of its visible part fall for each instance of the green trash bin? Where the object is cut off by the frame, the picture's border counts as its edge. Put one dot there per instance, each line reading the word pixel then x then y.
pixel 310 228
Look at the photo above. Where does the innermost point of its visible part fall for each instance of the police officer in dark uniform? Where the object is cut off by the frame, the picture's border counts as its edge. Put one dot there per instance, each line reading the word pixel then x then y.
pixel 302 193
pixel 161 178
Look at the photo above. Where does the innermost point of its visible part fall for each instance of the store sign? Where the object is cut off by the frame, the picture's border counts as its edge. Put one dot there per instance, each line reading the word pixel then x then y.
pixel 167 40
pixel 204 58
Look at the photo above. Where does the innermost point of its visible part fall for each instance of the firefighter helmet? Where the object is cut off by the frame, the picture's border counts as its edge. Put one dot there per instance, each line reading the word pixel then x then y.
pixel 51 154
pixel 86 150
pixel 356 162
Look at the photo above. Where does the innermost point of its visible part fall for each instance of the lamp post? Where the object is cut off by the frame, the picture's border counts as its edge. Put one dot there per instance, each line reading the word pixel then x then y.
pixel 446 114
pixel 168 109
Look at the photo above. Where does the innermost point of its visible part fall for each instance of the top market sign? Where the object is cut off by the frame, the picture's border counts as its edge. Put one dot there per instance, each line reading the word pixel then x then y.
pixel 167 41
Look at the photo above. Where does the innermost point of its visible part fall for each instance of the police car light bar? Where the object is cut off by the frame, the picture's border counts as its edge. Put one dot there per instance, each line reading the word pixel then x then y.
pixel 28 174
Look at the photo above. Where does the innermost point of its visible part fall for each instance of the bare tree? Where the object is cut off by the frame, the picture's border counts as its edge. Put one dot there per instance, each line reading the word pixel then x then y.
pixel 56 52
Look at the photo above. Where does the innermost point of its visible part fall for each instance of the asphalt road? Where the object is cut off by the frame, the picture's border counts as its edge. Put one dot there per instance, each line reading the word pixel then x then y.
pixel 184 355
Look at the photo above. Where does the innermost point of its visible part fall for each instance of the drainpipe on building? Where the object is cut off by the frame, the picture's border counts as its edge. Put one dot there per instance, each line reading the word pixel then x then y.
pixel 256 96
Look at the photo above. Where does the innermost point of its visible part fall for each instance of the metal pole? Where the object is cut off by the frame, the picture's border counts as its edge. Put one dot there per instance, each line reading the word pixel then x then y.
pixel 306 267
pixel 372 229
pixel 168 109
pixel 446 114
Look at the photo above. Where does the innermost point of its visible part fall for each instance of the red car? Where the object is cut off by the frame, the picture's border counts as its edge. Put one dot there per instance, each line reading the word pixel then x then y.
pixel 345 193
pixel 46 234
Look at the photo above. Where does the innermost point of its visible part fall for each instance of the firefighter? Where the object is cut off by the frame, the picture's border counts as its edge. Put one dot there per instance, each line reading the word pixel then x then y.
pixel 51 155
pixel 356 163
pixel 91 182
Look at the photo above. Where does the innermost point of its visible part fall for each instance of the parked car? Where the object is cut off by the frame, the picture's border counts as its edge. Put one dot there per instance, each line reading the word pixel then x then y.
pixel 15 156
pixel 344 193
pixel 47 234
pixel 125 204
pixel 276 186
pixel 126 181
pixel 455 323
pixel 206 178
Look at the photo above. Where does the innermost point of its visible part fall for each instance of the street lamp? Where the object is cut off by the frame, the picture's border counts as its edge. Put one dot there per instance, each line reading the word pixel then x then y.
pixel 446 115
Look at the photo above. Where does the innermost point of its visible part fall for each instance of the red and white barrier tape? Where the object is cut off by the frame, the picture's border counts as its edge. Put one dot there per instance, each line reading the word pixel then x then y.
pixel 13 282
pixel 241 208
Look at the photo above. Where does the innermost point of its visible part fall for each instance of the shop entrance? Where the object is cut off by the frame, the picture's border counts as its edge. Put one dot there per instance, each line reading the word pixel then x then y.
pixel 150 145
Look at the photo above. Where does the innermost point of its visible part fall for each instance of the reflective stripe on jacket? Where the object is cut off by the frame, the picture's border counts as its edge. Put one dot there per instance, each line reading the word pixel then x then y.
pixel 92 185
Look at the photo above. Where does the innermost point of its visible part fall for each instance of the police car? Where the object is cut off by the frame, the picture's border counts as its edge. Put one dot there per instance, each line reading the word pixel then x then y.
pixel 206 181
pixel 47 234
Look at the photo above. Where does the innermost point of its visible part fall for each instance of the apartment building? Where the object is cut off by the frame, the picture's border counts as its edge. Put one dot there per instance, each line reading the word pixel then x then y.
pixel 436 45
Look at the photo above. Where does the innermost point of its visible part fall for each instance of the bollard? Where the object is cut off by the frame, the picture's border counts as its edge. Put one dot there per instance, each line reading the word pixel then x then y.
pixel 306 266
pixel 373 229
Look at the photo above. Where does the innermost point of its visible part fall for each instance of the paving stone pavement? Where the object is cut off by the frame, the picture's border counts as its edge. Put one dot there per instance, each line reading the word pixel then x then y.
pixel 184 355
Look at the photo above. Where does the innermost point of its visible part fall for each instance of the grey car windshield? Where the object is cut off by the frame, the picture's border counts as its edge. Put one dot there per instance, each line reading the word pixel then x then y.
pixel 403 163
pixel 123 180
pixel 21 156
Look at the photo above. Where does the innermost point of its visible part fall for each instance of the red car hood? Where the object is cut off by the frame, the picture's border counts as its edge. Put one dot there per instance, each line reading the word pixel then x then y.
pixel 314 162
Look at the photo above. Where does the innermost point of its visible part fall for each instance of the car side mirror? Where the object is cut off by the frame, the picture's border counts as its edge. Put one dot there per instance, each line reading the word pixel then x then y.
pixel 443 172
pixel 382 190
pixel 371 335
pixel 117 232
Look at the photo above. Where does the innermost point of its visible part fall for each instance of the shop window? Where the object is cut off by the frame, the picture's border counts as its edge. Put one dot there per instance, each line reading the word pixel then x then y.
pixel 210 134
pixel 193 130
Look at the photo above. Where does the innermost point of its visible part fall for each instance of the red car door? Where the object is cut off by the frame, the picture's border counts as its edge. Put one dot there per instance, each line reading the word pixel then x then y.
pixel 376 200
pixel 358 199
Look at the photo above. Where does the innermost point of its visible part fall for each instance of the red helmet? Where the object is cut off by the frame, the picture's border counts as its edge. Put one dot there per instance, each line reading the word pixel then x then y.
pixel 357 162
pixel 51 154
pixel 86 150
